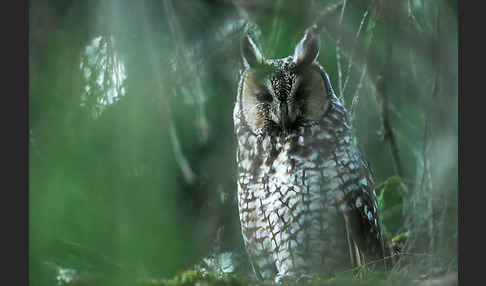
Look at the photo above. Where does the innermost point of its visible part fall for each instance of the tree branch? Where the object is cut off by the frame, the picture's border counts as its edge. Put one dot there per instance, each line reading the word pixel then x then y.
pixel 382 87
pixel 338 54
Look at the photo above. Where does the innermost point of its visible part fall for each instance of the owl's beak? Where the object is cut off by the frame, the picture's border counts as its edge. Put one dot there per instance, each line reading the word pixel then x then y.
pixel 284 116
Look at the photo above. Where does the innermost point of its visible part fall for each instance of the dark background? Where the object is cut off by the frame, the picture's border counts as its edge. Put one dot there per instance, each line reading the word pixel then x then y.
pixel 131 143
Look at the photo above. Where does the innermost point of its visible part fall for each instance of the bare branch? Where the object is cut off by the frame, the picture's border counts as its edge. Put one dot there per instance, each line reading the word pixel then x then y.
pixel 338 55
pixel 388 133
pixel 322 16
pixel 426 184
pixel 355 98
pixel 396 180
pixel 179 41
pixel 382 87
pixel 179 156
pixel 350 60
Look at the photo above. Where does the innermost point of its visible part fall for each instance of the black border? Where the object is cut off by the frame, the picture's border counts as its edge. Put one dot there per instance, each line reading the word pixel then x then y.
pixel 471 109
pixel 15 139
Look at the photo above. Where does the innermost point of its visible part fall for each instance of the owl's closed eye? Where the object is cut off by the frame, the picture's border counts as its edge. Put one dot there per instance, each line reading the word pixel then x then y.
pixel 281 95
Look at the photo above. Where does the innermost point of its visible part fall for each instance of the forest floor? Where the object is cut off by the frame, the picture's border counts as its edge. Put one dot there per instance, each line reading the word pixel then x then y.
pixel 359 278
pixel 198 277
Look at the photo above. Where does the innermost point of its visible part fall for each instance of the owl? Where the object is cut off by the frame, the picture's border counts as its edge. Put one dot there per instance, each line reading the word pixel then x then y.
pixel 306 199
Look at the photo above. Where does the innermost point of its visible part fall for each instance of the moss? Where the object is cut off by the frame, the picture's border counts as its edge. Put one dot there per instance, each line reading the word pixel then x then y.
pixel 401 237
pixel 197 277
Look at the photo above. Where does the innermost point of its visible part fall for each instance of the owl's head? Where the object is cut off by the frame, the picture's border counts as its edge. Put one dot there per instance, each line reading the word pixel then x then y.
pixel 277 96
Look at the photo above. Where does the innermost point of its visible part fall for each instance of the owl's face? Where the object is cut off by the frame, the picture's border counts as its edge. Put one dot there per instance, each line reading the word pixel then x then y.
pixel 281 95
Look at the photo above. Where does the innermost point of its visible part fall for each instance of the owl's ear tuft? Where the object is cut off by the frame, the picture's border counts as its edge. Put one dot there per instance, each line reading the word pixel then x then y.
pixel 250 52
pixel 307 49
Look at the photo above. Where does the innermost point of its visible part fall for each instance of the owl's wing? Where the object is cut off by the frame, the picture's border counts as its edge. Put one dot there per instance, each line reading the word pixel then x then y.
pixel 363 227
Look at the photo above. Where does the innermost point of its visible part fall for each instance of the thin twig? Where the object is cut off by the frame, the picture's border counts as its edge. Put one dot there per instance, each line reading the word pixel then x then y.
pixel 182 161
pixel 426 185
pixel 355 98
pixel 338 55
pixel 411 21
pixel 179 156
pixel 324 16
pixel 383 259
pixel 353 49
pixel 382 85
pixel 396 180
pixel 201 122
pixel 388 133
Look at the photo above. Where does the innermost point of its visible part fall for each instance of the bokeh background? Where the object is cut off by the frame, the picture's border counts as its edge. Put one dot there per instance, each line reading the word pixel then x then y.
pixel 132 153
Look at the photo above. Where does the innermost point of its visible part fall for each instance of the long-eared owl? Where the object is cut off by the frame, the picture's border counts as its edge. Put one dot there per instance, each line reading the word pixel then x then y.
pixel 306 198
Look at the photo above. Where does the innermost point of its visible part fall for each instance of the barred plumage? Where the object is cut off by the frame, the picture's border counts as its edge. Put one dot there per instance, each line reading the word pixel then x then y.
pixel 305 194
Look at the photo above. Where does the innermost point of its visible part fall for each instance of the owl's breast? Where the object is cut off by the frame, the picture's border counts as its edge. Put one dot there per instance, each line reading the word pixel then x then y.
pixel 302 162
pixel 288 194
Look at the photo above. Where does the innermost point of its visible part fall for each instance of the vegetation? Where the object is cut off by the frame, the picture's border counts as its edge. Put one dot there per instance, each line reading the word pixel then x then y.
pixel 131 167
